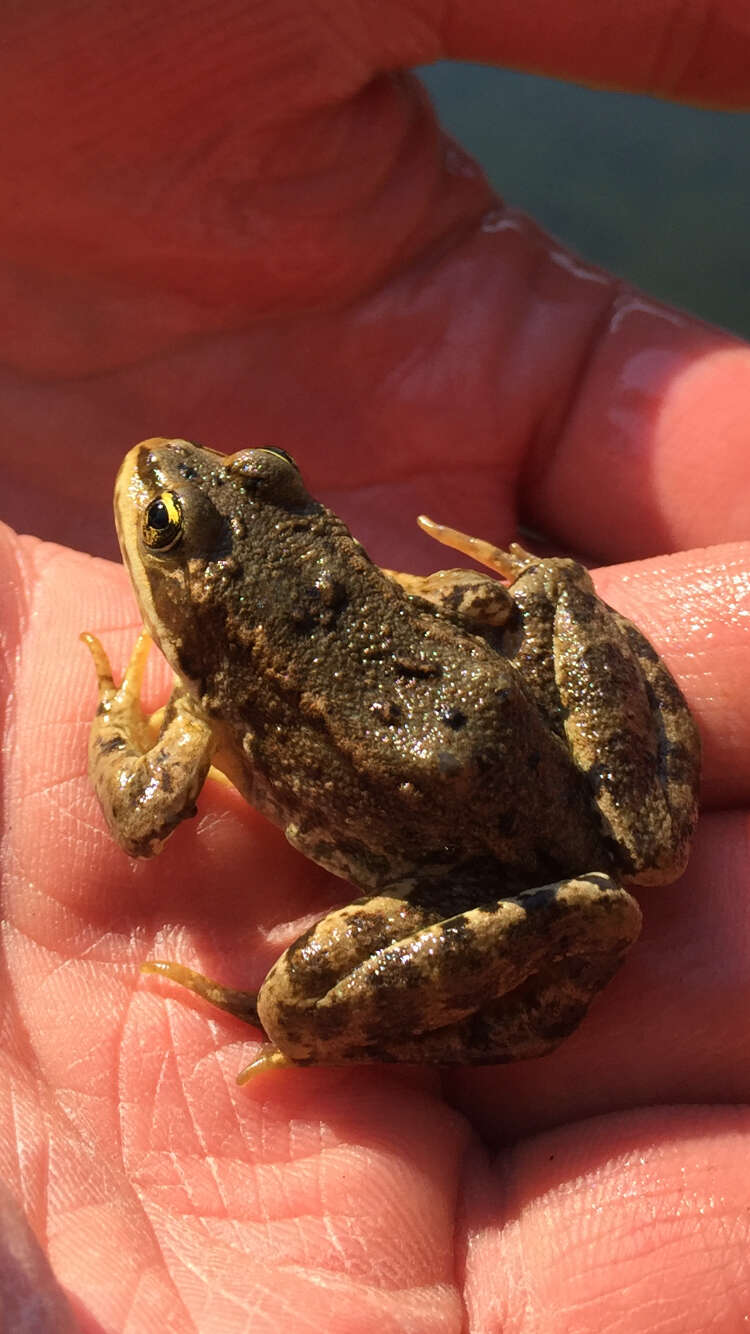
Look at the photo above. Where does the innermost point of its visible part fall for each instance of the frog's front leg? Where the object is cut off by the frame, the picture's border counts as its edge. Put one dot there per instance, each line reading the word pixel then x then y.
pixel 387 980
pixel 466 595
pixel 145 786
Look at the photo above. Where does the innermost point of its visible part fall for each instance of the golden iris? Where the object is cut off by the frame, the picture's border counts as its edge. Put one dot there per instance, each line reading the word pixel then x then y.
pixel 162 522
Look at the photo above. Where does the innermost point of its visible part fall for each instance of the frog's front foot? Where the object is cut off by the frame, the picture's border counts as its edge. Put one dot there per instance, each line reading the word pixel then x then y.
pixel 145 785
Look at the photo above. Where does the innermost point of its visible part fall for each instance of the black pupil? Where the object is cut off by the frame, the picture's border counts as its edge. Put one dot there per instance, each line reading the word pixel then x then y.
pixel 281 453
pixel 158 515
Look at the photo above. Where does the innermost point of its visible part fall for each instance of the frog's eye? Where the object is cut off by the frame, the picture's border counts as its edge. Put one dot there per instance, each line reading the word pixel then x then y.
pixel 162 522
pixel 280 453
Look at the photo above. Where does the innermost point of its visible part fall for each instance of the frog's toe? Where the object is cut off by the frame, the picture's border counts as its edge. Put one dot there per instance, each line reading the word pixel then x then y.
pixel 242 1004
pixel 130 688
pixel 508 563
pixel 269 1058
pixel 104 678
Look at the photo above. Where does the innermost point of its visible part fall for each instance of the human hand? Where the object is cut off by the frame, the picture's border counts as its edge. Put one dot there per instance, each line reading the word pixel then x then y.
pixel 335 281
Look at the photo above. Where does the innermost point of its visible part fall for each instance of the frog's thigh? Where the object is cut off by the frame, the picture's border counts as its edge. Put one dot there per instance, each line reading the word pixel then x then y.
pixel 497 983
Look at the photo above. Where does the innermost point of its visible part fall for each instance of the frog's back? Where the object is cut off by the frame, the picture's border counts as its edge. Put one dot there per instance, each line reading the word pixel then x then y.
pixel 394 737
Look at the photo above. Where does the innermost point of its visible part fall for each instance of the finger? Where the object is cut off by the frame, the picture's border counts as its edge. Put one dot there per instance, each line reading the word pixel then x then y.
pixel 625 1222
pixel 698 53
pixel 369 306
pixel 693 607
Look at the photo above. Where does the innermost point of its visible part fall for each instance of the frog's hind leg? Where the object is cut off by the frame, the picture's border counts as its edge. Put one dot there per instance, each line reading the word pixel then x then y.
pixel 527 1022
pixel 470 596
pixel 626 723
pixel 383 980
pixel 678 748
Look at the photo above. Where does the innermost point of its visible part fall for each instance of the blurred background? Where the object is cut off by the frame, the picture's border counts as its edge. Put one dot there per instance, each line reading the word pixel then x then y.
pixel 658 193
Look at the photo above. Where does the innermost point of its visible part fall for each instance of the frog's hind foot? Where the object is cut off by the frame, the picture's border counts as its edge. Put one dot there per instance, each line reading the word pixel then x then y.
pixel 269 1058
pixel 242 1004
pixel 239 1003
pixel 508 563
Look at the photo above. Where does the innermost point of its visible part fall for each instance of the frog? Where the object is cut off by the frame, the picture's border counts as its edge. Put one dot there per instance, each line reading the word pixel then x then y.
pixel 492 760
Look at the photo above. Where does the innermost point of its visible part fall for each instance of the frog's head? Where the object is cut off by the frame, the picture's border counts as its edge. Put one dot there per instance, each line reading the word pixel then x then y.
pixel 197 529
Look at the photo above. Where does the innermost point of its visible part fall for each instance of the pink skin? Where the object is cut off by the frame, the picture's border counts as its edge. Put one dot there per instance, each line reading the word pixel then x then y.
pixel 184 257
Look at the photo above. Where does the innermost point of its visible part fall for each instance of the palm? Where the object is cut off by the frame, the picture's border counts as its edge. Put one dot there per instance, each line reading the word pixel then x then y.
pixel 366 1199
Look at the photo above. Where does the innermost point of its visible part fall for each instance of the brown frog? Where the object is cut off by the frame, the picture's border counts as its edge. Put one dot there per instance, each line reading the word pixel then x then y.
pixel 487 762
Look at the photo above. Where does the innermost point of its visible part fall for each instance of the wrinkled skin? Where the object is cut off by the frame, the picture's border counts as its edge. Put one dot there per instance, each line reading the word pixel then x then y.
pixel 164 1196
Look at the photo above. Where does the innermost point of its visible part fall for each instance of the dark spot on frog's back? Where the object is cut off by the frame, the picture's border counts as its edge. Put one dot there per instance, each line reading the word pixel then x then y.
pixel 330 1021
pixel 602 658
pixel 454 719
pixel 584 605
pixel 417 668
pixel 302 620
pixel 329 590
pixel 146 465
pixel 316 966
pixel 627 771
pixel 319 605
pixel 544 897
pixel 532 604
pixel 669 693
pixel 221 539
pixel 300 944
pixel 373 930
pixel 457 930
pixel 456 938
pixel 288 1015
pixel 386 712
